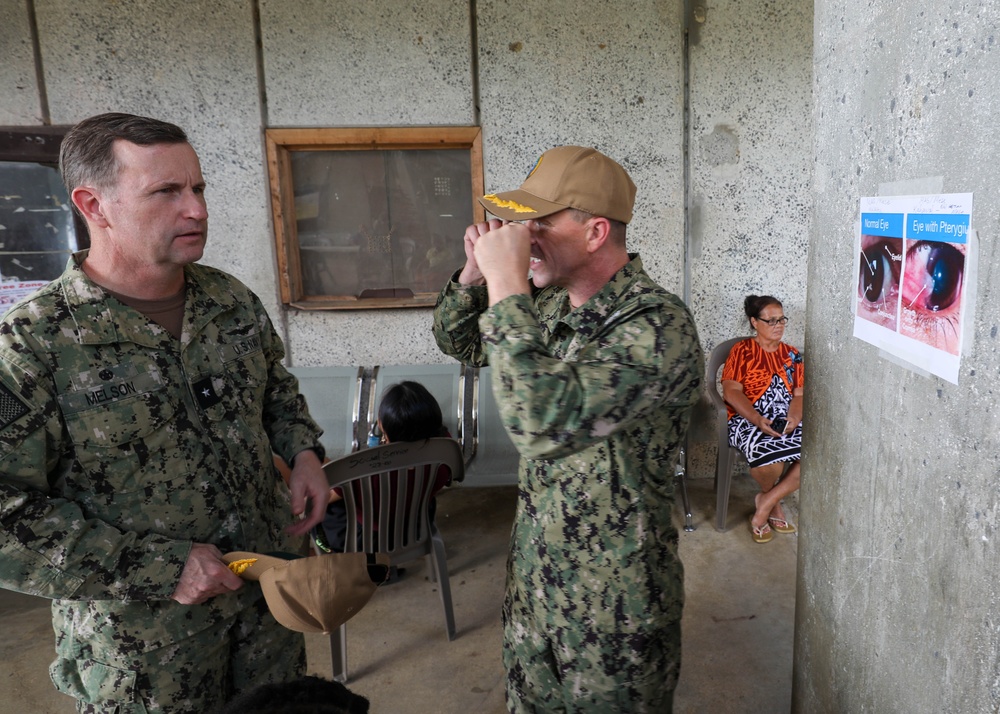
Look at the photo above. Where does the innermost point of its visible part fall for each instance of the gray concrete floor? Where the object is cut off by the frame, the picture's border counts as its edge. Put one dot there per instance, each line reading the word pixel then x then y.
pixel 737 627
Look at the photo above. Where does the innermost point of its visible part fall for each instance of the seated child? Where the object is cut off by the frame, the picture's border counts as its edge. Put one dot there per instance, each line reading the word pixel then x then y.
pixel 408 412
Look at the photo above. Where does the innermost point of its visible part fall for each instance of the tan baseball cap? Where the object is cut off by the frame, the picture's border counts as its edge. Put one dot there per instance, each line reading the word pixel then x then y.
pixel 568 177
pixel 315 593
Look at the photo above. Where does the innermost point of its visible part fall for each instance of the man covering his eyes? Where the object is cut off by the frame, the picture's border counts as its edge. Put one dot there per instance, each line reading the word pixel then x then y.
pixel 595 369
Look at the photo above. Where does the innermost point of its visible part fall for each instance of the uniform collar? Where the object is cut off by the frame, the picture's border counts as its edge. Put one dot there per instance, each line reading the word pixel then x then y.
pixel 594 313
pixel 100 319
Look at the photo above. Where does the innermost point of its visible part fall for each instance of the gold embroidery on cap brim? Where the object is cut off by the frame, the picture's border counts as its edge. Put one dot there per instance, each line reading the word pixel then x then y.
pixel 512 205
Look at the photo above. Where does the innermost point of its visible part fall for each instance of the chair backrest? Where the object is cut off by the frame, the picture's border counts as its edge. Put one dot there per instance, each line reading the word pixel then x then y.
pixel 327 390
pixel 715 362
pixel 441 380
pixel 496 459
pixel 390 487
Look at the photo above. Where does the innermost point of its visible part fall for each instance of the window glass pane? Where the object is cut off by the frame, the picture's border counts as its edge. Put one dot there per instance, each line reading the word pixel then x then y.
pixel 380 223
pixel 36 223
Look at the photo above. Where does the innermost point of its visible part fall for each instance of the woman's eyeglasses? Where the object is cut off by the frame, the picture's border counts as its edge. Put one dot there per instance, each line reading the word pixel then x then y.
pixel 773 321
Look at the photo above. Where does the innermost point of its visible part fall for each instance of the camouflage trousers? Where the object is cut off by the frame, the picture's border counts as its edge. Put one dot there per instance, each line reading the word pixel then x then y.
pixel 195 675
pixel 574 670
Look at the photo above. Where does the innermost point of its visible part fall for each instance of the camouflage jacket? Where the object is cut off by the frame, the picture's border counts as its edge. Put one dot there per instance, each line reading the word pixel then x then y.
pixel 120 445
pixel 597 402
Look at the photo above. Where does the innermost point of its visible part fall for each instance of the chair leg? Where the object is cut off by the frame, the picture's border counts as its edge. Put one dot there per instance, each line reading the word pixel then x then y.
pixel 338 653
pixel 723 473
pixel 723 483
pixel 441 571
pixel 680 471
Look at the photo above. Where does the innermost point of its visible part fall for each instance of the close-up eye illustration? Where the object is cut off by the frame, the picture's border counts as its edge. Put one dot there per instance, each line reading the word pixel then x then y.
pixel 933 275
pixel 878 279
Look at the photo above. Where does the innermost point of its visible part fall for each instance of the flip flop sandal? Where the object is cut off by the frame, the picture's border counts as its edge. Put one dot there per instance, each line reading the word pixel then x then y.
pixel 781 525
pixel 760 534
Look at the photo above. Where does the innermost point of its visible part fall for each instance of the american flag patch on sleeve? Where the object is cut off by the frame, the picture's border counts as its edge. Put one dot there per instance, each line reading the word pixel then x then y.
pixel 11 407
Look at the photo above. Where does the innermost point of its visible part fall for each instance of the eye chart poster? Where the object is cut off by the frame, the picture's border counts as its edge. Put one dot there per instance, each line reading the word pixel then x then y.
pixel 913 255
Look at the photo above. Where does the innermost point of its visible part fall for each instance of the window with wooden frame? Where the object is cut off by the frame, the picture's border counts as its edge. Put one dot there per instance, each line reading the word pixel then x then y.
pixel 38 228
pixel 372 217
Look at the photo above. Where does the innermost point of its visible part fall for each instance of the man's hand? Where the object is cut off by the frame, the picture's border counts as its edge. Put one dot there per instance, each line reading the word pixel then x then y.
pixel 471 275
pixel 309 488
pixel 205 575
pixel 503 257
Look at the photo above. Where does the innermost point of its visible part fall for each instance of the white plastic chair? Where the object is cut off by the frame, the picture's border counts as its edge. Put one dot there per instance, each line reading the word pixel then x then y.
pixel 725 459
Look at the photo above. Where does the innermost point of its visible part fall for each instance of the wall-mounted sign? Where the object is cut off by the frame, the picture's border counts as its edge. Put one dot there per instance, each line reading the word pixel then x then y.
pixel 12 291
pixel 913 267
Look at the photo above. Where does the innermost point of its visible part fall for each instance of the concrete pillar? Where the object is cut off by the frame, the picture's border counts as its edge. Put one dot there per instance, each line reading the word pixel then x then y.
pixel 897 606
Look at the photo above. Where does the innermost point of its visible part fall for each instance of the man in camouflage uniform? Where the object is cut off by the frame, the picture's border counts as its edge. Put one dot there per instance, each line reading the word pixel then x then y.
pixel 595 370
pixel 141 396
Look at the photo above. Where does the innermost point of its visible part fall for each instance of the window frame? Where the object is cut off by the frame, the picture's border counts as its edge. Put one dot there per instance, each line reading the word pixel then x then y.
pixel 281 142
pixel 40 145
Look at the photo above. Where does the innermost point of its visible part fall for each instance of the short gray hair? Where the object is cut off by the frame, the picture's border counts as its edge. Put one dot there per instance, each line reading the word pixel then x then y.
pixel 87 152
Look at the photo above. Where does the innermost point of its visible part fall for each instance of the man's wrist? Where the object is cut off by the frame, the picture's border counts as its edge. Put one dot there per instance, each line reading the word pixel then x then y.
pixel 318 450
pixel 501 288
pixel 470 278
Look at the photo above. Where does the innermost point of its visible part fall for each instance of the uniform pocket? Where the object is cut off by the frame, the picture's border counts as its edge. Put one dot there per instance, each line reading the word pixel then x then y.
pixel 114 441
pixel 94 682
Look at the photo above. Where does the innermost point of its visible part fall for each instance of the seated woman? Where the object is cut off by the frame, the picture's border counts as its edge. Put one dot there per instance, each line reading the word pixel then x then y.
pixel 407 412
pixel 762 383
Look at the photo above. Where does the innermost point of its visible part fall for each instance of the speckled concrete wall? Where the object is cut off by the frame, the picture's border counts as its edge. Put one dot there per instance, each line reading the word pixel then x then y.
pixel 362 63
pixel 533 75
pixel 20 103
pixel 751 170
pixel 193 64
pixel 751 162
pixel 354 63
pixel 590 74
pixel 898 560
